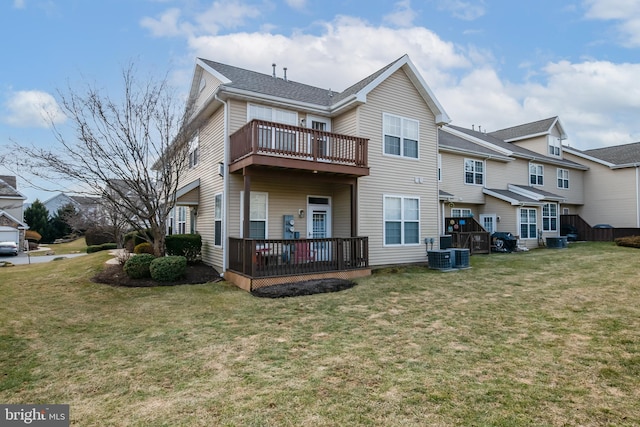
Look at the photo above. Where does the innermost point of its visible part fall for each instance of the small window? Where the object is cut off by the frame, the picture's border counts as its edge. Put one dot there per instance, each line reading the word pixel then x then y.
pixel 473 172
pixel 194 150
pixel 401 220
pixel 461 213
pixel 536 174
pixel 182 220
pixel 563 178
pixel 217 236
pixel 554 146
pixel 401 136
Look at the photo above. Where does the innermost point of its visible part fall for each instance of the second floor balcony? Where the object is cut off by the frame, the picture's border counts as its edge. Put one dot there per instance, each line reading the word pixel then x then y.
pixel 262 143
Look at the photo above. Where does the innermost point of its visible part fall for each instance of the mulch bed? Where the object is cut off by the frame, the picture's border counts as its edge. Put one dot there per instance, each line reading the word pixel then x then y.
pixel 114 275
pixel 307 287
pixel 195 274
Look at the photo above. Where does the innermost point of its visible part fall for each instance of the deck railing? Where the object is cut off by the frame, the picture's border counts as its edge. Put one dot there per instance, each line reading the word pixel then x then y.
pixel 262 137
pixel 264 258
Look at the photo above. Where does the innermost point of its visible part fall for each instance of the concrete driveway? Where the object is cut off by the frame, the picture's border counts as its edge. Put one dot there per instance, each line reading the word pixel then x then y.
pixel 23 258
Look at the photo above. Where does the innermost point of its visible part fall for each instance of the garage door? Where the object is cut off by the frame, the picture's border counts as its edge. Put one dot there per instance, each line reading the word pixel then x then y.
pixel 8 234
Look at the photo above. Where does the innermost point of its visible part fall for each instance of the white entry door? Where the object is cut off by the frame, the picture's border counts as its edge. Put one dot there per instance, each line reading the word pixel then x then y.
pixel 488 222
pixel 319 225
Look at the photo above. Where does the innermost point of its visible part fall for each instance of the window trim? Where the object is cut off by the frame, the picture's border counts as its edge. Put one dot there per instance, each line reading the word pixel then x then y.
pixel 561 179
pixel 470 215
pixel 402 220
pixel 401 136
pixel 520 223
pixel 473 171
pixel 265 220
pixel 181 222
pixel 539 176
pixel 194 150
pixel 554 145
pixel 218 209
pixel 549 217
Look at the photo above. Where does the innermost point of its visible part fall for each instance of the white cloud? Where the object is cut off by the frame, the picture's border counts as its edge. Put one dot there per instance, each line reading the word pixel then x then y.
pixel 167 25
pixel 402 16
pixel 32 108
pixel 19 4
pixel 625 12
pixel 597 101
pixel 465 10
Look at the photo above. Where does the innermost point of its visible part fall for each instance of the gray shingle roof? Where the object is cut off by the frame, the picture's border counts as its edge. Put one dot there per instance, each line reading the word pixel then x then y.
pixel 7 190
pixel 446 139
pixel 507 194
pixel 546 195
pixel 533 128
pixel 519 151
pixel 618 155
pixel 275 86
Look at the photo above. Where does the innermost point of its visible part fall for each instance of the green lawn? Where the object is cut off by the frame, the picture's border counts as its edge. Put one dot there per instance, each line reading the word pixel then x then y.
pixel 541 338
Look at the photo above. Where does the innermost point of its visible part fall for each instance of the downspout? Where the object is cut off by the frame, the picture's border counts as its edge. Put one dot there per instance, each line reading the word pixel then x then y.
pixel 225 185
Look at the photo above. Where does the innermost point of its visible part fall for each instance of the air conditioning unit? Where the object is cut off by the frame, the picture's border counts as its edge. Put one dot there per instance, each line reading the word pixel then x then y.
pixel 460 258
pixel 440 259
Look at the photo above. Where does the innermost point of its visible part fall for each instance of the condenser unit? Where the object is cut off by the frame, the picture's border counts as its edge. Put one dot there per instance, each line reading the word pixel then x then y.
pixel 460 258
pixel 439 259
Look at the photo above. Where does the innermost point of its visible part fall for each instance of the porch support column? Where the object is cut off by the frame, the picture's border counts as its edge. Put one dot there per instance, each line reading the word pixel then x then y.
pixel 247 204
pixel 354 208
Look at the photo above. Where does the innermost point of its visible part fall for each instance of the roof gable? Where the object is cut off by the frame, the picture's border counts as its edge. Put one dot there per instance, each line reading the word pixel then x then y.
pixel 7 191
pixel 529 130
pixel 250 83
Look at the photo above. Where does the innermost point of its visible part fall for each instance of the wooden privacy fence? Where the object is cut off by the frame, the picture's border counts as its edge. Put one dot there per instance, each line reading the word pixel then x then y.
pixel 590 234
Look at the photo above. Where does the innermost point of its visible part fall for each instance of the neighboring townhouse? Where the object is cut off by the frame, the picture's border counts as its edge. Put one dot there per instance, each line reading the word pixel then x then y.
pixel 514 186
pixel 613 184
pixel 12 225
pixel 87 206
pixel 288 181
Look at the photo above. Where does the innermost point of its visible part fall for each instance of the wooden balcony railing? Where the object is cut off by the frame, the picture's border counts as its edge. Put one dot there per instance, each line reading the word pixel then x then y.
pixel 294 142
pixel 265 258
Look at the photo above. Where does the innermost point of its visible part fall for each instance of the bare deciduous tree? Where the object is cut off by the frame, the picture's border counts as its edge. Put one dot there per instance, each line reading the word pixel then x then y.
pixel 128 150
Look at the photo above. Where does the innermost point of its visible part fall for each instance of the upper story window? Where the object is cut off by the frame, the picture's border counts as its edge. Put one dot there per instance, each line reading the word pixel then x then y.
pixel 269 114
pixel 401 220
pixel 194 150
pixel 473 172
pixel 536 174
pixel 563 178
pixel 272 137
pixel 400 136
pixel 554 145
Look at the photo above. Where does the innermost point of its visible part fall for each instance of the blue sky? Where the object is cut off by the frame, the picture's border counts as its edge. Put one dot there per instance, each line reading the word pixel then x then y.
pixel 489 63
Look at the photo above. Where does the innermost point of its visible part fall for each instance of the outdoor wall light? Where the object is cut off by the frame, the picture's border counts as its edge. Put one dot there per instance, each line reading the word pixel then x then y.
pixel 300 213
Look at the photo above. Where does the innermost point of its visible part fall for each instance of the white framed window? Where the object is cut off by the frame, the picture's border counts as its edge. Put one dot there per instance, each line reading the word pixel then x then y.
pixel 528 223
pixel 461 213
pixel 270 137
pixel 473 172
pixel 182 219
pixel 401 220
pixel 550 217
pixel 563 178
pixel 217 219
pixel 259 206
pixel 194 150
pixel 536 174
pixel 554 145
pixel 401 136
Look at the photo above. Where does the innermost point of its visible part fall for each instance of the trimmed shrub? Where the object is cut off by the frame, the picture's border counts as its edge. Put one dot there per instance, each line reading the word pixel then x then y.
pixel 186 245
pixel 168 269
pixel 103 247
pixel 629 241
pixel 137 267
pixel 32 235
pixel 98 236
pixel 143 248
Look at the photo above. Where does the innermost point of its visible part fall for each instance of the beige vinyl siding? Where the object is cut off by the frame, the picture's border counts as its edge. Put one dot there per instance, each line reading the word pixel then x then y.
pixel 346 123
pixel 14 208
pixel 508 219
pixel 538 144
pixel 211 86
pixel 500 175
pixel 453 179
pixel 395 176
pixel 575 193
pixel 287 197
pixel 610 195
pixel 211 138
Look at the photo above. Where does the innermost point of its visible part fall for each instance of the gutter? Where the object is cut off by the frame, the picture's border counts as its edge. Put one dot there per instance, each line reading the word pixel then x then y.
pixel 225 185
